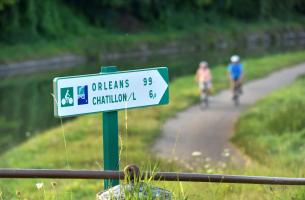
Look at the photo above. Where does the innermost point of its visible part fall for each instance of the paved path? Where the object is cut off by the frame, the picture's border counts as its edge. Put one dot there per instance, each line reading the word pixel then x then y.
pixel 207 132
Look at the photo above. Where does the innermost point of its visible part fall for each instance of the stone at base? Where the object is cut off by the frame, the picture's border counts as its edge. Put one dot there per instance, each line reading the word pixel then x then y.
pixel 138 191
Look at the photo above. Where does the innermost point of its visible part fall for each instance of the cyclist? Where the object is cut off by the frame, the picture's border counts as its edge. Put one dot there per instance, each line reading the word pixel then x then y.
pixel 204 78
pixel 235 73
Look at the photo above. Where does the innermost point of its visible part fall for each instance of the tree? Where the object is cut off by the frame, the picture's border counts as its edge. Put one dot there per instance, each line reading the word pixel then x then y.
pixel 6 2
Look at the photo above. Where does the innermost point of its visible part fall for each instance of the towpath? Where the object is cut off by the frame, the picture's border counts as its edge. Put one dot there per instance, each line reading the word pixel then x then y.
pixel 207 132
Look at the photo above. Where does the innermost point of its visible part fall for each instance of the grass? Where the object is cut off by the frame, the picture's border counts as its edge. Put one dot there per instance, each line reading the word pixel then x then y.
pixel 92 42
pixel 84 146
pixel 273 133
pixel 276 129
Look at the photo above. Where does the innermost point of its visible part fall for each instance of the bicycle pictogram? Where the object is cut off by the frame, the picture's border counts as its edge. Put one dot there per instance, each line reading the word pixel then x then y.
pixel 67 97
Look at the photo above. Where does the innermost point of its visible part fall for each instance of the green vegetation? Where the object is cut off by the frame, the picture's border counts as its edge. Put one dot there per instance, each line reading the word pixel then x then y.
pixel 36 29
pixel 94 43
pixel 138 129
pixel 276 129
pixel 25 19
pixel 273 133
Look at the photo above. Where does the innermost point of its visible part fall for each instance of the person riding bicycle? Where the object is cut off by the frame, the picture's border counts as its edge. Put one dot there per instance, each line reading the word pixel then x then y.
pixel 204 78
pixel 235 73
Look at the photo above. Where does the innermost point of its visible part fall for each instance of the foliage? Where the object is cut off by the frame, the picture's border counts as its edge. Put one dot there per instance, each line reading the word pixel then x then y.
pixel 6 2
pixel 273 133
pixel 28 20
pixel 275 127
pixel 150 10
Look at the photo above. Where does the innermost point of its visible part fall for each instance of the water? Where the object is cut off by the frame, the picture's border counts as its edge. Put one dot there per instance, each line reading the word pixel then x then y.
pixel 26 103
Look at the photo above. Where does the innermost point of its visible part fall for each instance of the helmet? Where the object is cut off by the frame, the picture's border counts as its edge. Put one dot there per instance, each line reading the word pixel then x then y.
pixel 204 63
pixel 235 58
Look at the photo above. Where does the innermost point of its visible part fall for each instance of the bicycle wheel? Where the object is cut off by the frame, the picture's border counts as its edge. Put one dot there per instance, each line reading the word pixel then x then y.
pixel 236 99
pixel 63 101
pixel 206 100
pixel 204 103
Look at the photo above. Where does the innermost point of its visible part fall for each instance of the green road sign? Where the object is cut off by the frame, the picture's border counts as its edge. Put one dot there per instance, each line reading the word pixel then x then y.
pixel 76 95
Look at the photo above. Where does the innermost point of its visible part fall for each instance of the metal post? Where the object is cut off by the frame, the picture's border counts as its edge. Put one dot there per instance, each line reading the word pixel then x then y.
pixel 110 139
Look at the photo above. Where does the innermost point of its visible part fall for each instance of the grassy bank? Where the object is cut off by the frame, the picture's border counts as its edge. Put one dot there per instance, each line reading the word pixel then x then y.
pixel 273 133
pixel 93 43
pixel 138 129
pixel 276 129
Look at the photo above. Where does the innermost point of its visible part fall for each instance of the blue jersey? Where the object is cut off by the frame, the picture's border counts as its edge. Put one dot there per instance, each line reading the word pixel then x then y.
pixel 235 70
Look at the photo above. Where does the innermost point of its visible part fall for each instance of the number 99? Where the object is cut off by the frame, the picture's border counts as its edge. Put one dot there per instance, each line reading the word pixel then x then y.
pixel 147 81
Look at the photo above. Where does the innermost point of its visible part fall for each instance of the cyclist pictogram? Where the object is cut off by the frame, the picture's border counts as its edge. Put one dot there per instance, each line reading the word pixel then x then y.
pixel 66 95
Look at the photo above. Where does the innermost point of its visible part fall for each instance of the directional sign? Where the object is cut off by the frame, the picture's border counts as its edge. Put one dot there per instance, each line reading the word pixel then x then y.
pixel 76 95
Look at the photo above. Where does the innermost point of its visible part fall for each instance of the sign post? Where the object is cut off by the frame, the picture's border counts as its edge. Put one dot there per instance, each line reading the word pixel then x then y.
pixel 110 139
pixel 108 92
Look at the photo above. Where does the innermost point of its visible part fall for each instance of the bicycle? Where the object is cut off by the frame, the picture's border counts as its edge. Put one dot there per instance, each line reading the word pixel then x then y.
pixel 67 99
pixel 204 96
pixel 236 93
